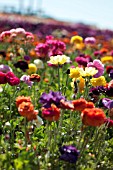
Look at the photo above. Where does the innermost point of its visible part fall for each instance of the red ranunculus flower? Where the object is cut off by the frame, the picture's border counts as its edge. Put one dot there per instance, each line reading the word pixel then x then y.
pixel 93 117
pixel 52 113
pixel 3 79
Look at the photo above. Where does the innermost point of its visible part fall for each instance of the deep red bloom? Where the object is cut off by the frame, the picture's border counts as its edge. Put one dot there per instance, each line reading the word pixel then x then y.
pixel 109 68
pixel 3 79
pixel 109 122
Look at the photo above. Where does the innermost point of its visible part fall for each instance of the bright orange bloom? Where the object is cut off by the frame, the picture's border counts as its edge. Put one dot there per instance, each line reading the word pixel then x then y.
pixel 26 109
pixel 90 105
pixel 51 114
pixel 79 104
pixel 93 117
pixel 21 99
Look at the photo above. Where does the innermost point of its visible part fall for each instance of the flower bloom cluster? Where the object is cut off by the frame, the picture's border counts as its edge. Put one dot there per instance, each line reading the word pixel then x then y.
pixel 16 35
pixel 26 108
pixel 51 47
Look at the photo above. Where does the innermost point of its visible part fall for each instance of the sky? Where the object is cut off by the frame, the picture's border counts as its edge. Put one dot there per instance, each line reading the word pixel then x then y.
pixel 94 12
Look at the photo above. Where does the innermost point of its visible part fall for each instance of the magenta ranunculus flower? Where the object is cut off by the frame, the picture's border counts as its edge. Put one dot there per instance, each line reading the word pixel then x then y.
pixel 12 79
pixel 98 65
pixel 3 79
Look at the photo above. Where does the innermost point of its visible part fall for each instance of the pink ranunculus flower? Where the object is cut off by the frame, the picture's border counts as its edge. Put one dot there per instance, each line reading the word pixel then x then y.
pixel 98 65
pixel 26 79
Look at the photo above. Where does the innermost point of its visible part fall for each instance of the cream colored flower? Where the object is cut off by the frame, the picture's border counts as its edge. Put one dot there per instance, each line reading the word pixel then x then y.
pixel 59 59
pixel 89 71
pixel 39 63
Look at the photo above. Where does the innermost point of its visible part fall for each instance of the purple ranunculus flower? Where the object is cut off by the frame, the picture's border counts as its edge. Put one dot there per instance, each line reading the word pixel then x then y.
pixel 51 98
pixel 98 65
pixel 27 58
pixel 108 103
pixel 23 65
pixel 26 79
pixel 69 153
pixel 5 68
pixel 111 74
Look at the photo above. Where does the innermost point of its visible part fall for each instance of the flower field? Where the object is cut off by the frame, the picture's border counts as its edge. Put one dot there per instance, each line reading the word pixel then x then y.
pixel 56 89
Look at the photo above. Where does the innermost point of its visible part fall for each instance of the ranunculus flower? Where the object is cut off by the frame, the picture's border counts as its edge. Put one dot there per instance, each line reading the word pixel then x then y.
pixel 12 79
pixel 59 60
pixel 39 63
pixel 5 68
pixel 51 98
pixel 52 113
pixel 109 122
pixel 21 99
pixel 26 109
pixel 81 104
pixel 108 103
pixel 69 153
pixel 35 78
pixel 93 117
pixel 3 79
pixel 26 79
pixel 97 64
pixel 32 68
pixel 90 40
pixel 23 65
pixel 76 39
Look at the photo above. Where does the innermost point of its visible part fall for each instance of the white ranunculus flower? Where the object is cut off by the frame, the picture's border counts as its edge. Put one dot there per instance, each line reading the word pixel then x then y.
pixel 39 63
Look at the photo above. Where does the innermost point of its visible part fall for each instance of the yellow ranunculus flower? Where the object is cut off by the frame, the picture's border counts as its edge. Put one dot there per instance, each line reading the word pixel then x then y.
pixel 31 68
pixel 89 71
pixel 81 83
pixel 107 59
pixel 100 81
pixel 59 59
pixel 76 39
pixel 75 72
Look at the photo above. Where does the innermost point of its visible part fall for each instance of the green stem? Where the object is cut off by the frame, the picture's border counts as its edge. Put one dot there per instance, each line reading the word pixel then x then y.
pixel 58 78
pixel 66 84
pixel 25 131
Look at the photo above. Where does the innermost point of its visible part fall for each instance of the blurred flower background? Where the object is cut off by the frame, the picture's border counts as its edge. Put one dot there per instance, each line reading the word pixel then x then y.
pixel 91 12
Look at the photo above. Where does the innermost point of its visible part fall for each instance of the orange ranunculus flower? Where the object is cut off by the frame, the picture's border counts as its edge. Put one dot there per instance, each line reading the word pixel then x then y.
pixel 26 109
pixel 79 104
pixel 21 99
pixel 52 113
pixel 66 105
pixel 93 117
pixel 32 116
pixel 90 105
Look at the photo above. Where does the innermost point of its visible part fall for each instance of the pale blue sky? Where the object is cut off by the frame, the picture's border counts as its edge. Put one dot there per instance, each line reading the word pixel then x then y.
pixel 96 12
